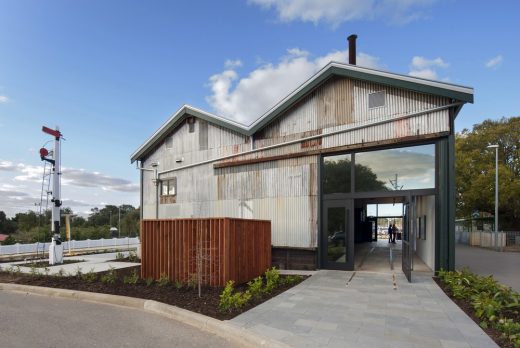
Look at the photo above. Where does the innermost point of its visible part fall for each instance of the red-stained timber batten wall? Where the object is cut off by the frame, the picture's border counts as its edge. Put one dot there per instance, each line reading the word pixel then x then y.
pixel 227 249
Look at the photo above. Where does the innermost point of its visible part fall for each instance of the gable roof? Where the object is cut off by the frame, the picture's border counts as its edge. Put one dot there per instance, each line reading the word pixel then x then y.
pixel 457 92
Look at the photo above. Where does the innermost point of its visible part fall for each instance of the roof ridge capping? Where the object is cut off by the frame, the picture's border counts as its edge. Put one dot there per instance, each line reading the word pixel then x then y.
pixel 422 85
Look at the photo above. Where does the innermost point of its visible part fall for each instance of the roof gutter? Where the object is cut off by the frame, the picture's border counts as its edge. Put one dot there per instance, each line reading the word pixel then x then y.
pixel 370 124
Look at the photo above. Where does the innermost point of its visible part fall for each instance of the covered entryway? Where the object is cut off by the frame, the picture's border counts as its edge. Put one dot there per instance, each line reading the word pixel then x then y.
pixel 363 193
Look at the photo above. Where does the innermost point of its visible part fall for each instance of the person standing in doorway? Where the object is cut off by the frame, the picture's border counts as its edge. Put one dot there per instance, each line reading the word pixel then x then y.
pixel 390 232
pixel 394 232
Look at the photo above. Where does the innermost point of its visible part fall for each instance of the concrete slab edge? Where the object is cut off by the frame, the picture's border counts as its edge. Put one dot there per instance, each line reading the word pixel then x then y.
pixel 223 329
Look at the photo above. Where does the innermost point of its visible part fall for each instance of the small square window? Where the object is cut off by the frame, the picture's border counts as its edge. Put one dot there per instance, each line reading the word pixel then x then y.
pixel 169 191
pixel 377 99
pixel 169 142
pixel 191 124
pixel 169 187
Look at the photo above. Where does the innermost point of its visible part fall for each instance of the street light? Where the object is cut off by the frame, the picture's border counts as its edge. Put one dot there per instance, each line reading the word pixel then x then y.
pixel 496 190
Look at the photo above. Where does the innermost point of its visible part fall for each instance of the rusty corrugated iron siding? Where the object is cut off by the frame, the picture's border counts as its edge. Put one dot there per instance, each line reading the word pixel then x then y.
pixel 283 189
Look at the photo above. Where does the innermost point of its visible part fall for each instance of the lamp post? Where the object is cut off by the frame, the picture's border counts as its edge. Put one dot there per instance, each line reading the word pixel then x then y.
pixel 119 223
pixel 496 192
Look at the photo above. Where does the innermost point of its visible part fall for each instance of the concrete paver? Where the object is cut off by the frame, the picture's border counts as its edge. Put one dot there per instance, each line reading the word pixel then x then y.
pixel 327 310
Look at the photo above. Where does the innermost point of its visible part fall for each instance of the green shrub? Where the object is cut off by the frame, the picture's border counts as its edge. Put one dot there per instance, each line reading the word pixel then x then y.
pixel 291 279
pixel 132 278
pixel 90 276
pixel 149 281
pixel 255 287
pixel 229 300
pixel 163 280
pixel 132 256
pixel 120 256
pixel 491 302
pixel 178 284
pixel 193 281
pixel 272 280
pixel 110 277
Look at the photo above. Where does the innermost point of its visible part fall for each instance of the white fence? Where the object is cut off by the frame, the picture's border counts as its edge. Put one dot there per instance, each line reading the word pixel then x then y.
pixel 74 244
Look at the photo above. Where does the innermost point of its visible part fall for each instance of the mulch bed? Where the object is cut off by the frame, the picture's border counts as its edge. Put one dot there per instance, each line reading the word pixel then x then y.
pixel 466 306
pixel 184 297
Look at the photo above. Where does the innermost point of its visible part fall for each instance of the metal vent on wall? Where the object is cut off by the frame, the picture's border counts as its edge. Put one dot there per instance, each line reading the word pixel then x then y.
pixel 377 99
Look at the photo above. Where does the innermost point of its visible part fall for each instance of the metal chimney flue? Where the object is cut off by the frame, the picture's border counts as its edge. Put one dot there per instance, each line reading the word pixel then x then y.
pixel 352 49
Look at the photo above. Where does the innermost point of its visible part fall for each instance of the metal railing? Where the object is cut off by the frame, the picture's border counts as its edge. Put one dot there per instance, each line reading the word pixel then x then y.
pixel 76 245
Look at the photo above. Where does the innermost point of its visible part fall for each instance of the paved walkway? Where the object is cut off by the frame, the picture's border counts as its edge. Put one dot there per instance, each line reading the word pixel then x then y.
pixel 504 266
pixel 93 262
pixel 362 309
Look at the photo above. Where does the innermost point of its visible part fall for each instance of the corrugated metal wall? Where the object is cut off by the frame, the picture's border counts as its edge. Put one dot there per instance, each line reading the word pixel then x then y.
pixel 284 191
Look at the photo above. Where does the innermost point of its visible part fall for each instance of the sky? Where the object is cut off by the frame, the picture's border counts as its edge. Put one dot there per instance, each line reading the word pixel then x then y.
pixel 110 73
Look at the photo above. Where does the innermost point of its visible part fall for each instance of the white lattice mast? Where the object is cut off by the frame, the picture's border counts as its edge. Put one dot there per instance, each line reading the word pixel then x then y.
pixel 56 248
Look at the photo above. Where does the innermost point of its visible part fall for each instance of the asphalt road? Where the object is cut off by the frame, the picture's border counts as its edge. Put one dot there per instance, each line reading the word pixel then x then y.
pixel 504 266
pixel 40 321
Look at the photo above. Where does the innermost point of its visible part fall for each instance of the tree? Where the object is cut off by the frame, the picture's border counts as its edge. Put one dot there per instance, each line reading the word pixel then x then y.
pixel 7 226
pixel 475 170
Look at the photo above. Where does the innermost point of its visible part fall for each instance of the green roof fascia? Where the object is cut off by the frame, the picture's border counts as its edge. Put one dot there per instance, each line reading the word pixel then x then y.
pixel 399 83
pixel 335 69
pixel 176 119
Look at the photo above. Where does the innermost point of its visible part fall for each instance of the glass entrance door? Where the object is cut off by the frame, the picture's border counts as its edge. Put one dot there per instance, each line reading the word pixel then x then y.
pixel 337 236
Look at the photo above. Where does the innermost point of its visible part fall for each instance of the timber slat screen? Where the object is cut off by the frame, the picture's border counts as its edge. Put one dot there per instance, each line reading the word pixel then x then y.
pixel 216 249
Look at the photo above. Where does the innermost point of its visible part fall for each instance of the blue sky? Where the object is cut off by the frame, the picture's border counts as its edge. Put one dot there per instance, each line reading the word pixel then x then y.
pixel 109 73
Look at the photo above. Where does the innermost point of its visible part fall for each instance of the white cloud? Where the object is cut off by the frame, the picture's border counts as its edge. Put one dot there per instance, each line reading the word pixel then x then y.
pixel 244 99
pixel 339 11
pixel 3 99
pixel 7 166
pixel 231 64
pixel 21 185
pixel 70 177
pixel 495 62
pixel 426 68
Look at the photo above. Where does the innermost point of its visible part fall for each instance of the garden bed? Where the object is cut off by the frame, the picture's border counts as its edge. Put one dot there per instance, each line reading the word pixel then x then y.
pixel 180 295
pixel 487 303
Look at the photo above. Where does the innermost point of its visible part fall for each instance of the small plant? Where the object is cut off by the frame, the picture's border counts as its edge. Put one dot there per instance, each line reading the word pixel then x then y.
pixel 291 279
pixel 132 278
pixel 60 273
pixel 255 287
pixel 272 279
pixel 34 271
pixel 132 256
pixel 90 276
pixel 14 270
pixel 110 277
pixel 229 300
pixel 79 273
pixel 46 270
pixel 192 281
pixel 120 256
pixel 149 281
pixel 178 284
pixel 163 280
pixel 493 304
